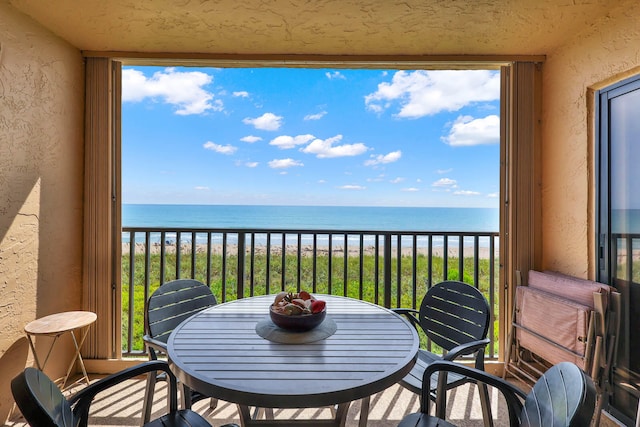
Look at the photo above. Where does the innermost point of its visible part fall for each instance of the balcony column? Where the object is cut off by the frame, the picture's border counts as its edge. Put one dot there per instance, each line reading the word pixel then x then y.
pixel 102 248
pixel 521 216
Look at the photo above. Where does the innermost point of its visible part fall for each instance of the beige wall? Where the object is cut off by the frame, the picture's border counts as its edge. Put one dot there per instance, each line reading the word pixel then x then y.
pixel 41 173
pixel 607 51
pixel 41 167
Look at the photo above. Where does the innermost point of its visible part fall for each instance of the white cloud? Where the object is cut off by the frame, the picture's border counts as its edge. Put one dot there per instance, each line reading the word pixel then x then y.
pixel 410 189
pixel 445 183
pixel 316 116
pixel 250 139
pixel 222 149
pixel 201 188
pixel 322 181
pixel 466 193
pixel 493 195
pixel 394 156
pixel 267 121
pixel 241 94
pixel 184 90
pixel 467 131
pixel 285 141
pixel 423 93
pixel 443 171
pixel 378 178
pixel 252 164
pixel 397 180
pixel 352 187
pixel 284 163
pixel 376 108
pixel 324 148
pixel 335 75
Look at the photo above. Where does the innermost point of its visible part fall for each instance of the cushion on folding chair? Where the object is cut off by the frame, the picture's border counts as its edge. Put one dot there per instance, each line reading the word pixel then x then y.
pixel 543 315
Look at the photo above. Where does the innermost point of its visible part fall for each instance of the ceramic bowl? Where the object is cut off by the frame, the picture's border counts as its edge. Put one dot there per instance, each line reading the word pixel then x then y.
pixel 297 323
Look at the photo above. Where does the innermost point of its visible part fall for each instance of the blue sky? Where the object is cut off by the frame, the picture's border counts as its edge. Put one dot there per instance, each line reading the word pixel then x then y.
pixel 277 136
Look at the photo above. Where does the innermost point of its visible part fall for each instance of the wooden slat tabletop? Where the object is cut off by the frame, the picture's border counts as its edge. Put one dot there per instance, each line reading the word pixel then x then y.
pixel 219 353
pixel 58 323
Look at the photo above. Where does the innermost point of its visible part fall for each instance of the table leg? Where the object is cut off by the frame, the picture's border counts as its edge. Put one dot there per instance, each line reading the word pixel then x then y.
pixel 245 415
pixel 341 414
pixel 35 354
pixel 340 419
pixel 268 413
pixel 77 344
pixel 364 411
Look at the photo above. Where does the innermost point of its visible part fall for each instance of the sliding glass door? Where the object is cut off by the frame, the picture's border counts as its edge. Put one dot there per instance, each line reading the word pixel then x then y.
pixel 618 195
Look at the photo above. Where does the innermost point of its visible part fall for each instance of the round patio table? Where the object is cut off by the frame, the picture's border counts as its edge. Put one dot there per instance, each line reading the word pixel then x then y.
pixel 219 353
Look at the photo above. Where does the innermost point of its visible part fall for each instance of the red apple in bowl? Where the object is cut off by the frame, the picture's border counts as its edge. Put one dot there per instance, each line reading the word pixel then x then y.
pixel 297 312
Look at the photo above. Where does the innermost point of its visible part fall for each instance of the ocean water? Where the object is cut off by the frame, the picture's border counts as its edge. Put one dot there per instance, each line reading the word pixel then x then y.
pixel 309 218
pixel 312 217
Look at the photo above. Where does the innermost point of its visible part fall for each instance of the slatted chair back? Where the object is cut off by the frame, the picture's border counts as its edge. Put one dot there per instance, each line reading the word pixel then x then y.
pixel 167 307
pixel 563 396
pixel 174 302
pixel 43 405
pixel 41 401
pixel 454 313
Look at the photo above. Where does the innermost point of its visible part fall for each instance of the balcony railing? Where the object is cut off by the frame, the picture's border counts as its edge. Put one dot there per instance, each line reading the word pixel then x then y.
pixel 389 268
pixel 626 252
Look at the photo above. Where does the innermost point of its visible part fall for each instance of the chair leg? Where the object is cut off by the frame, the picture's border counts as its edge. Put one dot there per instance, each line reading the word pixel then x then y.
pixel 485 404
pixel 147 404
pixel 185 396
pixel 441 398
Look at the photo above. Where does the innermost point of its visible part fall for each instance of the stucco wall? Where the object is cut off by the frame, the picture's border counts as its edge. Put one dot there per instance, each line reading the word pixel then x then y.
pixel 41 173
pixel 607 51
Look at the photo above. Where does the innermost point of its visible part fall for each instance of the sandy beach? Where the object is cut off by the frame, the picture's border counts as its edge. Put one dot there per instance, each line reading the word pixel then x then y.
pixel 307 250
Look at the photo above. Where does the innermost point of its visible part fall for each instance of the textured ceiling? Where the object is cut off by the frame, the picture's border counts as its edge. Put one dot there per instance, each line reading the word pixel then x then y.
pixel 319 27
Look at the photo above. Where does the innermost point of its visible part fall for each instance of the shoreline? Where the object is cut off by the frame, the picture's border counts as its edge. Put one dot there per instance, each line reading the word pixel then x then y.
pixel 307 250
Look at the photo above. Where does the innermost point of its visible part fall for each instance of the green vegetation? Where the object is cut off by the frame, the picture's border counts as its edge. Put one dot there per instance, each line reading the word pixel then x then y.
pixel 405 294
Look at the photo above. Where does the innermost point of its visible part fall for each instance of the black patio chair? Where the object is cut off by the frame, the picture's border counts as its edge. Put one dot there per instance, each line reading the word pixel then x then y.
pixel 564 396
pixel 167 307
pixel 456 317
pixel 42 403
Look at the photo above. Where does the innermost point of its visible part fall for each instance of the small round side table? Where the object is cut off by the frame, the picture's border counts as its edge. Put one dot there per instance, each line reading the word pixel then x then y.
pixel 56 325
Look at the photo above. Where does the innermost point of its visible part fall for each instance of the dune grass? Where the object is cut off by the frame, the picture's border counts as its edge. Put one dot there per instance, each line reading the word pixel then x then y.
pixel 224 287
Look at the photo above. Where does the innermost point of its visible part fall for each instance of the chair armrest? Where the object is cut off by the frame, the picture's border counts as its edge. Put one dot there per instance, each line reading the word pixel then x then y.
pixel 512 394
pixel 465 349
pixel 410 314
pixel 155 344
pixel 82 400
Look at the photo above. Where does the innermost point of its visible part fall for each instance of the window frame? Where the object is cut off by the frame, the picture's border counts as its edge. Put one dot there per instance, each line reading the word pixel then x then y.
pixel 520 173
pixel 606 256
pixel 602 167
